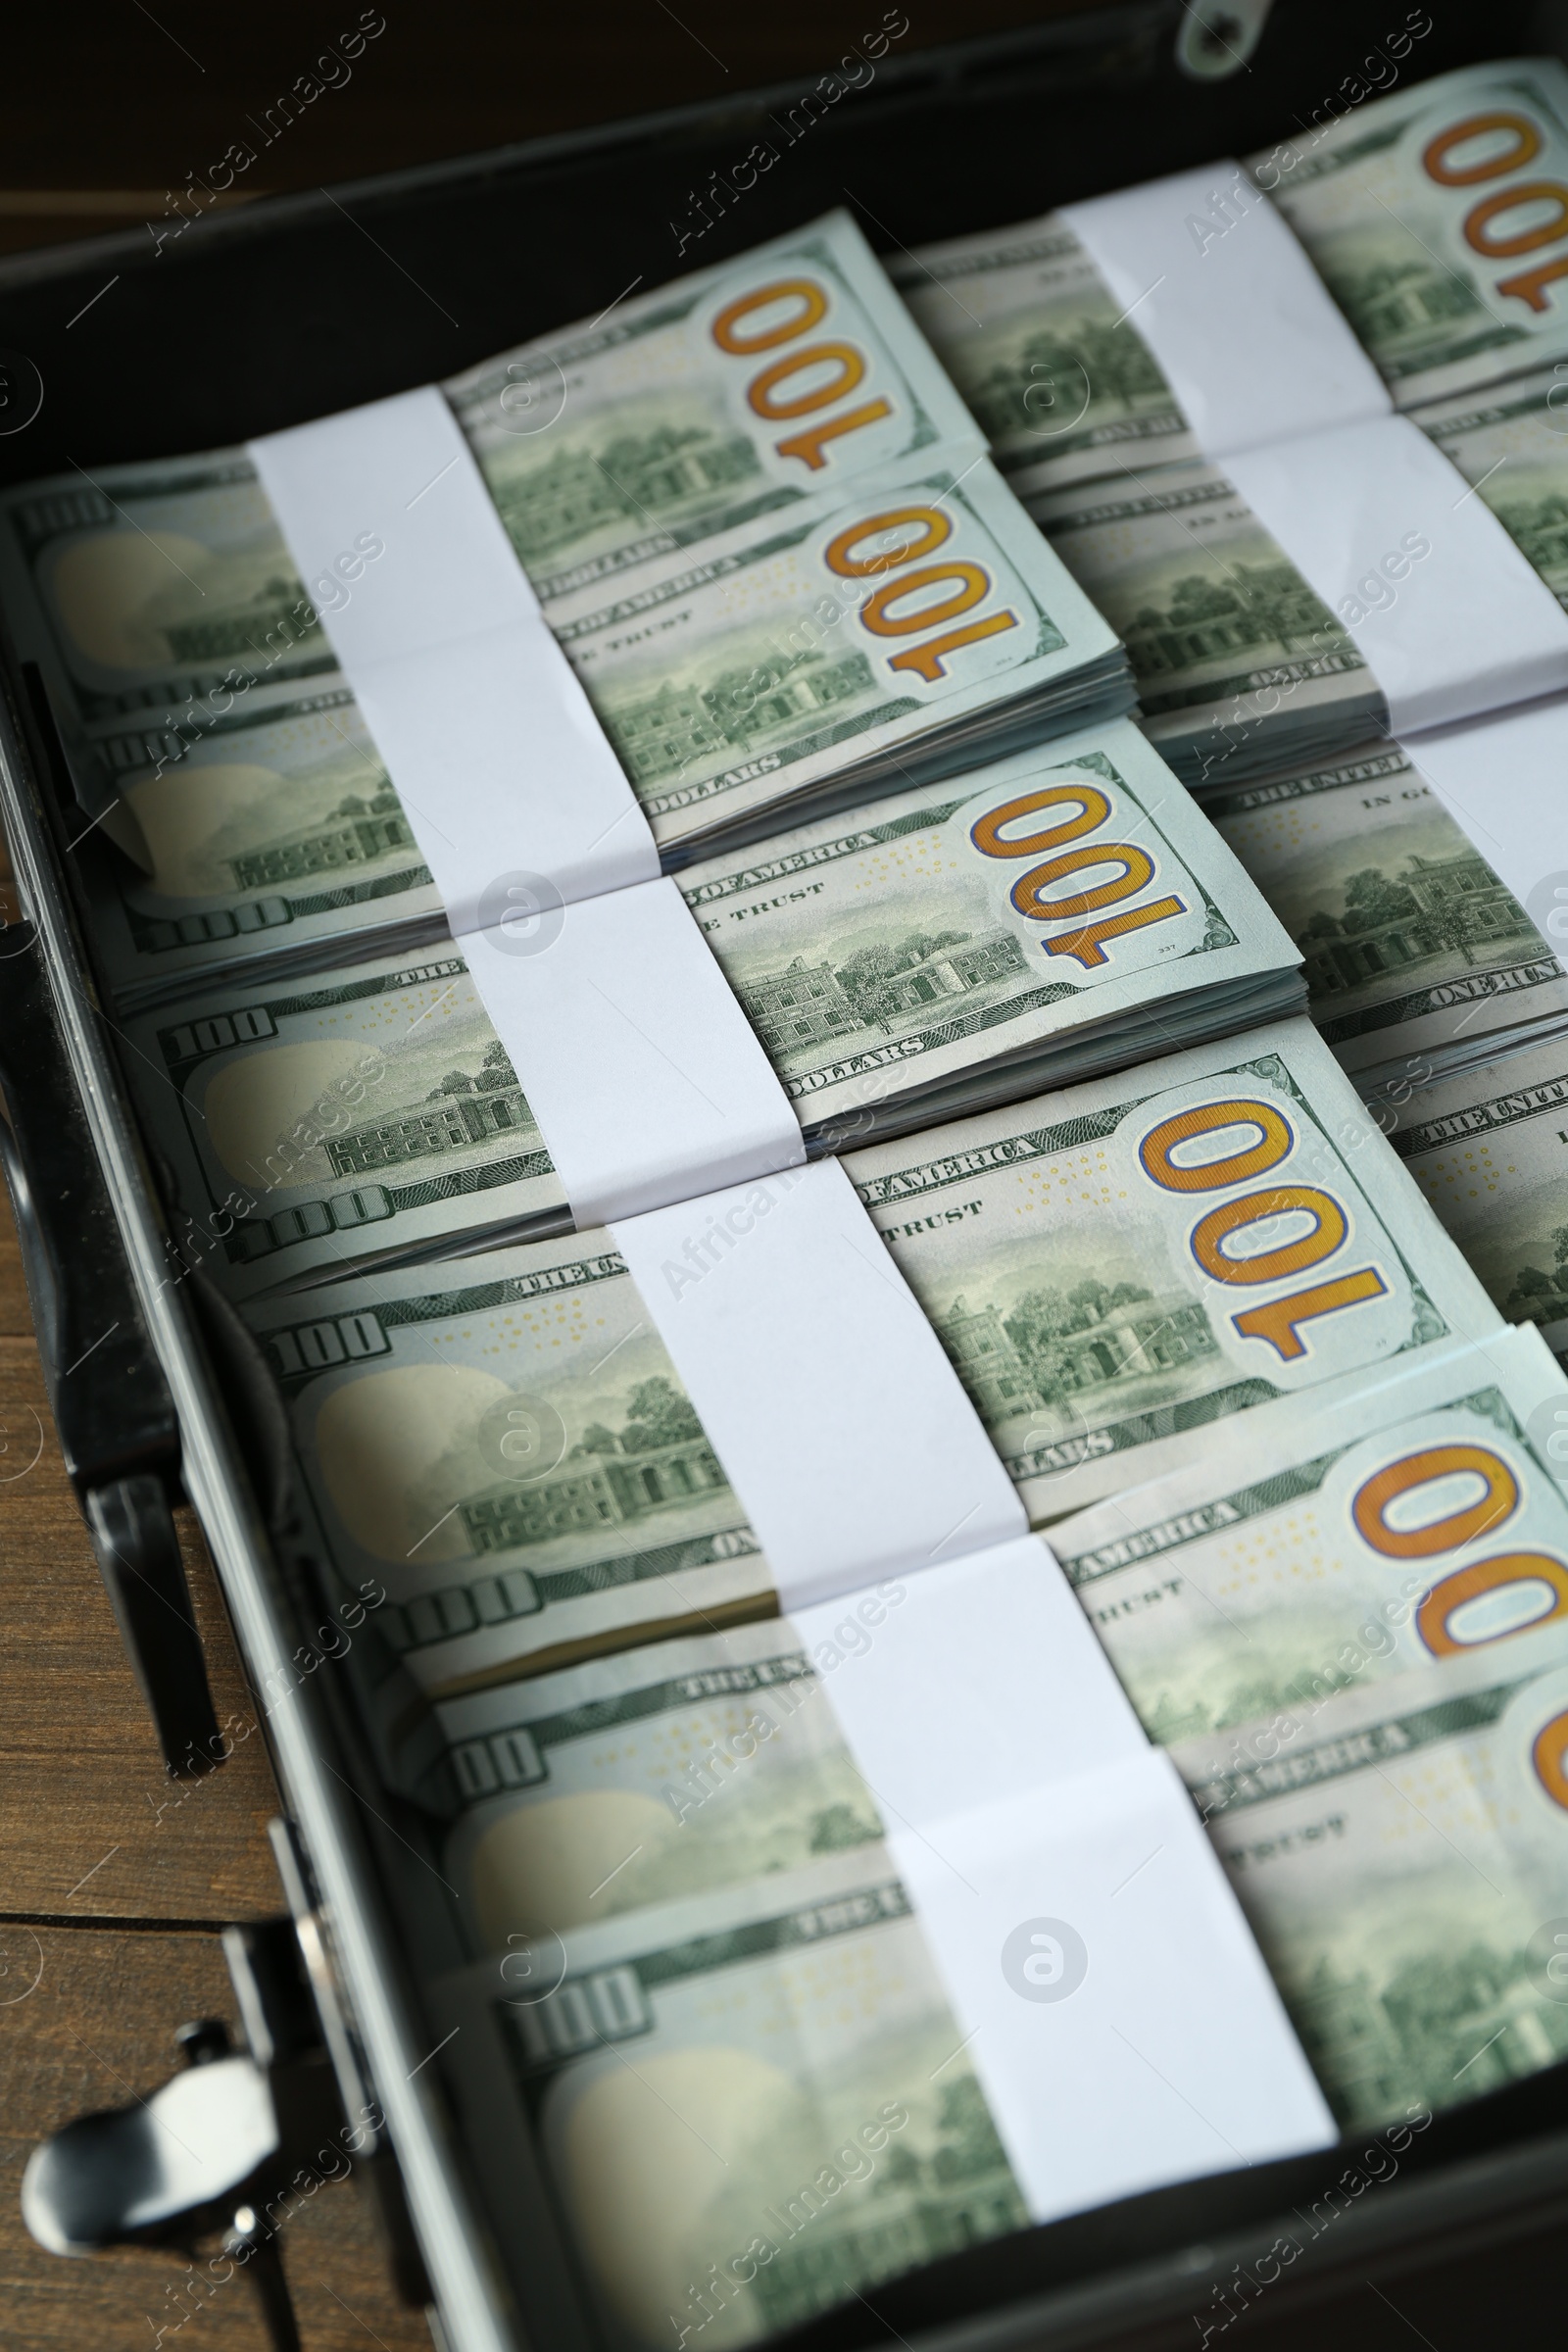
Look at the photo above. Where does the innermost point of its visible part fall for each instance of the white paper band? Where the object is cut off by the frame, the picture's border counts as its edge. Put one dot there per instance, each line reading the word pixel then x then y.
pixel 1504 781
pixel 487 736
pixel 1107 1987
pixel 647 1080
pixel 1218 285
pixel 839 1420
pixel 998 1645
pixel 1451 618
pixel 1146 2043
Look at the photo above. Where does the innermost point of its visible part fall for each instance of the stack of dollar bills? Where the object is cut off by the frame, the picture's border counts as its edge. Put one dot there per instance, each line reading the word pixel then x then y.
pixel 1332 1578
pixel 1102 1332
pixel 1416 958
pixel 755 612
pixel 1288 1408
pixel 1488 1149
pixel 893 966
pixel 1236 659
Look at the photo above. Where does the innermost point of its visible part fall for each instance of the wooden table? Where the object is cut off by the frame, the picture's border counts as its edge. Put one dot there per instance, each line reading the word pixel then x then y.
pixel 114 1884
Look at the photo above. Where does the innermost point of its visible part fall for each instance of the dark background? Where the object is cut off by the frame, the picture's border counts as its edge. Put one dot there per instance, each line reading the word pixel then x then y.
pixel 106 112
pixel 109 106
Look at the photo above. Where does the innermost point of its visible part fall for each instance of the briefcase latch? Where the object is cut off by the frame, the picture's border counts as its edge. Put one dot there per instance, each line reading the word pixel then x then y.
pixel 218 2146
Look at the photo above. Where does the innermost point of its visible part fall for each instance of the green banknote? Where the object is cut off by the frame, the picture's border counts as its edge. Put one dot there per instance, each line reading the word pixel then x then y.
pixel 1489 1149
pixel 506 1439
pixel 1411 943
pixel 894 629
pixel 1058 913
pixel 877 632
pixel 275 835
pixel 681 412
pixel 887 964
pixel 1350 1538
pixel 1437 219
pixel 678 414
pixel 1511 444
pixel 1238 666
pixel 1059 382
pixel 501 1439
pixel 160 590
pixel 749 2105
pixel 682 1768
pixel 1401 1854
pixel 308 1125
pixel 1118 1269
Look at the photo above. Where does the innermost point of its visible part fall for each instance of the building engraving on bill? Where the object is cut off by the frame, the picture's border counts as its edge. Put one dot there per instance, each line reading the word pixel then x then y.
pixel 355 832
pixel 1050 1349
pixel 462 1111
pixel 576 490
pixel 808 1004
pixel 660 737
pixel 1391 920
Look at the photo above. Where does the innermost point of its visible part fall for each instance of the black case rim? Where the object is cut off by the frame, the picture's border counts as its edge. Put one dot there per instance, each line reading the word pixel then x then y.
pixel 1106 84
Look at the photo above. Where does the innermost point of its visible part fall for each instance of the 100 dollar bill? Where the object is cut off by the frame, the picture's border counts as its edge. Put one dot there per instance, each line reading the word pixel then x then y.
pixel 737 392
pixel 1488 1151
pixel 938 952
pixel 1056 376
pixel 1403 1856
pixel 1511 445
pixel 1412 945
pixel 508 1437
pixel 368 1112
pixel 1028 924
pixel 1117 1269
pixel 682 411
pixel 1349 1539
pixel 1237 662
pixel 1113 1271
pixel 1434 217
pixel 750 2105
pixel 275 834
pixel 676 1770
pixel 909 623
pixel 911 617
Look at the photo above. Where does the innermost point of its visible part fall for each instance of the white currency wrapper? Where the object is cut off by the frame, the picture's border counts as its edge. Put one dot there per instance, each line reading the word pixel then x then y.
pixel 489 740
pixel 997 1648
pixel 1453 620
pixel 1170 2054
pixel 839 1420
pixel 1217 284
pixel 1504 780
pixel 647 1079
pixel 1152 2050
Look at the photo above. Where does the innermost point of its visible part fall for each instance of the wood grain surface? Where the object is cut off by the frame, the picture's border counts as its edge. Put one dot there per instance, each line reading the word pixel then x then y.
pixel 114 1882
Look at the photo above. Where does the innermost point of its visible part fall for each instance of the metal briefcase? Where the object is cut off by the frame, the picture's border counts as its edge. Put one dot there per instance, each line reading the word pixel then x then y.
pixel 302 305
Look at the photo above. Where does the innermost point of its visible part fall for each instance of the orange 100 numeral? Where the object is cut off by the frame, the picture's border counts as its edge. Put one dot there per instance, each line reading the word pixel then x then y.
pixel 1278 1321
pixel 880 613
pixel 1547 1752
pixel 776 392
pixel 1466 1522
pixel 1479 227
pixel 1135 870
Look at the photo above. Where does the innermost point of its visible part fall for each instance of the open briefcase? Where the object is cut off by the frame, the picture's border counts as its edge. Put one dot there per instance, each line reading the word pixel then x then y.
pixel 303 306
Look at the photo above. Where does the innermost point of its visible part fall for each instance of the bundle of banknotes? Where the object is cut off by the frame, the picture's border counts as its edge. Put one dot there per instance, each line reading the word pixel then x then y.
pixel 750 605
pixel 1425 214
pixel 1373 1726
pixel 1334 1594
pixel 1297 1431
